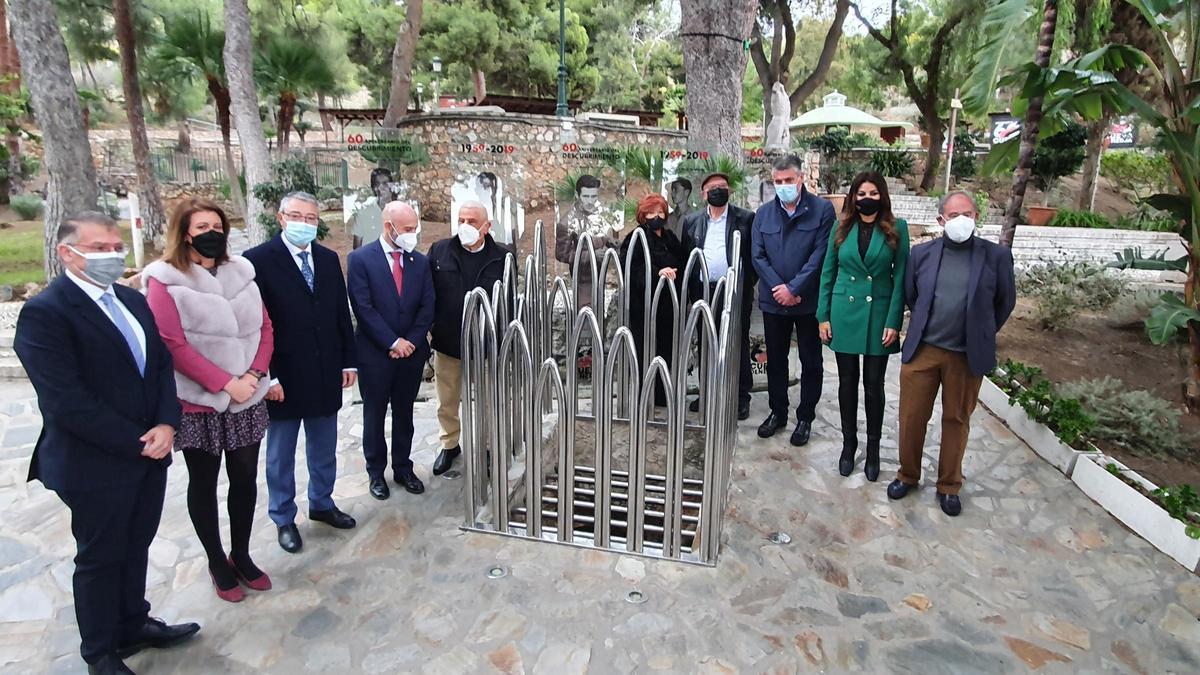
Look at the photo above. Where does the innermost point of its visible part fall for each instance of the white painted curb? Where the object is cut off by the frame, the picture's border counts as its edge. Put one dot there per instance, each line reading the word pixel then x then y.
pixel 1035 434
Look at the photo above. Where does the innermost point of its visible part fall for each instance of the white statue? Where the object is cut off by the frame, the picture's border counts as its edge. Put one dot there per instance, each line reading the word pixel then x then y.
pixel 778 138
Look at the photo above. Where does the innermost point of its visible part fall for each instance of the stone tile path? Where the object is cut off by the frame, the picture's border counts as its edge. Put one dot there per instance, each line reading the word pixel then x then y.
pixel 1033 575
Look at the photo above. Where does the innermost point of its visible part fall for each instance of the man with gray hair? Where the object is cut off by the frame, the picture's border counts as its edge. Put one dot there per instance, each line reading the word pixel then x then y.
pixel 961 291
pixel 314 360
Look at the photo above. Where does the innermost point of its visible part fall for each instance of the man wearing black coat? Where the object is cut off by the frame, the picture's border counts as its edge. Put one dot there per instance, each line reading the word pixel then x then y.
pixel 304 292
pixel 106 390
pixel 721 219
pixel 469 260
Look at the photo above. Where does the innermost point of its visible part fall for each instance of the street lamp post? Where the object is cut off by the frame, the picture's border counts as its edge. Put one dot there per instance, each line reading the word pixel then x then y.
pixel 420 92
pixel 437 96
pixel 561 110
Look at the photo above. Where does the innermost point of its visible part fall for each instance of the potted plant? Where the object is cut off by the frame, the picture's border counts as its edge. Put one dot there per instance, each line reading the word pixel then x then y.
pixel 1059 155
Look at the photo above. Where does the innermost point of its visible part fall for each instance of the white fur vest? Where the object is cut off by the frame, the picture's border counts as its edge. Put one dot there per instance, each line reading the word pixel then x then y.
pixel 222 318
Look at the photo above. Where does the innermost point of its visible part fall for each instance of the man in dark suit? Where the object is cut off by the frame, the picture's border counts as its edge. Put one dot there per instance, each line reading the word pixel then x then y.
pixel 711 230
pixel 790 236
pixel 305 294
pixel 106 389
pixel 391 292
pixel 961 290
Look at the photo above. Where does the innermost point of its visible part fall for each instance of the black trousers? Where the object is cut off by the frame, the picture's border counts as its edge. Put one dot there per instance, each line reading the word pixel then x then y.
pixel 777 333
pixel 395 382
pixel 113 529
pixel 873 369
pixel 745 379
pixel 663 343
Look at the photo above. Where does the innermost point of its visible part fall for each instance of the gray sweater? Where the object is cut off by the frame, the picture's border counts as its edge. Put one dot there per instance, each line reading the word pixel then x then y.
pixel 947 327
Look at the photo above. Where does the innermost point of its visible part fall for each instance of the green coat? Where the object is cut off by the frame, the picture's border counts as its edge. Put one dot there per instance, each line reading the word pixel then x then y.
pixel 862 297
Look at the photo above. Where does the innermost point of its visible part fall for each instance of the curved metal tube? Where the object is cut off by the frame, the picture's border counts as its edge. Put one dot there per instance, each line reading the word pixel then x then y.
pixel 621 346
pixel 548 373
pixel 510 389
pixel 658 370
pixel 478 376
pixel 585 319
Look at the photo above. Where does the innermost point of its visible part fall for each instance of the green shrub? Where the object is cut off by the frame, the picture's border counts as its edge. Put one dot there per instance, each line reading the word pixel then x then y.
pixel 891 163
pixel 1145 173
pixel 29 207
pixel 1135 420
pixel 328 193
pixel 964 155
pixel 1132 309
pixel 1146 219
pixel 1072 218
pixel 1059 155
pixel 1028 388
pixel 1061 291
pixel 291 175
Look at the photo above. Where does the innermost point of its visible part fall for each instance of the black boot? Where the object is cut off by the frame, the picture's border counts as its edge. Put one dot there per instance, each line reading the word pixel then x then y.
pixel 871 465
pixel 849 447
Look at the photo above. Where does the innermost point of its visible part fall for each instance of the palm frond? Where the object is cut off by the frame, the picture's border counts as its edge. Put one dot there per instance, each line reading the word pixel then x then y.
pixel 1006 25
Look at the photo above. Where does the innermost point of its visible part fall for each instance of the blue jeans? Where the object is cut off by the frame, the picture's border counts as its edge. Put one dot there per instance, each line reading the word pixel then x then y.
pixel 320 434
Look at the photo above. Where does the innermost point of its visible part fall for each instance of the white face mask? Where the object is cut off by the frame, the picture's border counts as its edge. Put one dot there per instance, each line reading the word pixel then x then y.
pixel 468 234
pixel 960 228
pixel 406 241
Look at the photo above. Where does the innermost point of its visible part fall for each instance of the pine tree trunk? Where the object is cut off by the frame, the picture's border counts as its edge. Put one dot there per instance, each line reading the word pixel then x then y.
pixel 1029 128
pixel 1091 166
pixel 10 83
pixel 283 122
pixel 220 94
pixel 714 60
pixel 933 155
pixel 479 79
pixel 153 215
pixel 244 108
pixel 71 186
pixel 403 55
pixel 183 142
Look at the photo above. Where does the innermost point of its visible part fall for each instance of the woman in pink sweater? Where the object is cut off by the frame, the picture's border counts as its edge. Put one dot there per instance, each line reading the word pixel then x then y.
pixel 212 319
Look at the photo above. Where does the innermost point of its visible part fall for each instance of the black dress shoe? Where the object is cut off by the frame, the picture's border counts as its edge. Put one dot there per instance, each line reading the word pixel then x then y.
pixel 334 517
pixel 410 482
pixel 744 410
pixel 898 489
pixel 694 406
pixel 871 465
pixel 379 489
pixel 846 461
pixel 445 460
pixel 801 434
pixel 951 505
pixel 773 423
pixel 289 538
pixel 109 665
pixel 157 634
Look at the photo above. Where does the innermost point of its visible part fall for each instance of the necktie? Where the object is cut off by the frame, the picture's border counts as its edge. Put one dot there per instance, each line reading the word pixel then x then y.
pixel 306 269
pixel 398 272
pixel 118 318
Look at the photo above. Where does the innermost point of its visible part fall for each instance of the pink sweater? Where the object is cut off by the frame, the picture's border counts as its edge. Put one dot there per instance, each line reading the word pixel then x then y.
pixel 190 362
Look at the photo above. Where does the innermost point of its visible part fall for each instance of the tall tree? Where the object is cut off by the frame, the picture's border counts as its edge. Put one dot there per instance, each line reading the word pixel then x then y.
pixel 152 209
pixel 244 106
pixel 714 33
pixel 403 56
pixel 1030 125
pixel 927 87
pixel 777 16
pixel 290 68
pixel 10 86
pixel 71 184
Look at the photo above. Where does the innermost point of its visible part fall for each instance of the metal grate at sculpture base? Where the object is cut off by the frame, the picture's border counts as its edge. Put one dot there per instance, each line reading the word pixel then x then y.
pixel 586 459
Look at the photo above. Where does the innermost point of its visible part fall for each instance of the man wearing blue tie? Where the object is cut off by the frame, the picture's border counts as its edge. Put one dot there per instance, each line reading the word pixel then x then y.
pixel 106 389
pixel 391 292
pixel 304 292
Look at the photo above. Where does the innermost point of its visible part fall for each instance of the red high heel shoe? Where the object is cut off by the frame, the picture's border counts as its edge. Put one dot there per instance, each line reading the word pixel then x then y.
pixel 235 594
pixel 262 583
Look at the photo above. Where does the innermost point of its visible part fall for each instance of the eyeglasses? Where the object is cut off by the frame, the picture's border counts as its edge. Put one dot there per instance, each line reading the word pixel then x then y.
pixel 296 216
pixel 102 248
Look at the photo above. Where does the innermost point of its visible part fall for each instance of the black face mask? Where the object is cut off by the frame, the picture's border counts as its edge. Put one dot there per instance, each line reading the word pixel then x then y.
pixel 868 206
pixel 718 197
pixel 211 244
pixel 656 224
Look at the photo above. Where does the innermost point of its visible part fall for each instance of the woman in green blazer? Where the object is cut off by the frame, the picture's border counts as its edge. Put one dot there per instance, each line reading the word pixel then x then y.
pixel 861 308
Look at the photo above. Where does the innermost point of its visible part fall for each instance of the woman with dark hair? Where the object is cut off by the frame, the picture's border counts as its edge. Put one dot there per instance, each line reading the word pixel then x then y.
pixel 861 308
pixel 667 258
pixel 211 317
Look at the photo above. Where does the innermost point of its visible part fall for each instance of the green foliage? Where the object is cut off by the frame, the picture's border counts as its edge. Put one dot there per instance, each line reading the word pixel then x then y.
pixel 861 139
pixel 1059 155
pixel 1028 388
pixel 29 207
pixel 696 169
pixel 1169 319
pixel 1073 218
pixel 1181 503
pixel 891 162
pixel 1135 420
pixel 1145 219
pixel 832 143
pixel 1133 259
pixel 394 154
pixel 291 175
pixel 289 66
pixel 964 155
pixel 1132 309
pixel 1143 172
pixel 326 193
pixel 1062 291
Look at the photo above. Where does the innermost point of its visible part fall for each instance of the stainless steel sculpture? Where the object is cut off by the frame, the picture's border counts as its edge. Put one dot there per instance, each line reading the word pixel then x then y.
pixel 541 460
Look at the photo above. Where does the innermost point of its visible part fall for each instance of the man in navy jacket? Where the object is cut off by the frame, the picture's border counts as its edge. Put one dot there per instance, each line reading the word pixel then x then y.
pixel 961 290
pixel 305 294
pixel 106 389
pixel 391 291
pixel 789 238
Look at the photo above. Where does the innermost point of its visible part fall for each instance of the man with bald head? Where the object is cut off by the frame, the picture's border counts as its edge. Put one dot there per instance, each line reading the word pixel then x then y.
pixel 471 259
pixel 391 292
pixel 303 289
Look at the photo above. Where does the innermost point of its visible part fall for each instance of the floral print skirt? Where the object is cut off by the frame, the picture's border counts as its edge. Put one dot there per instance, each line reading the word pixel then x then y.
pixel 218 432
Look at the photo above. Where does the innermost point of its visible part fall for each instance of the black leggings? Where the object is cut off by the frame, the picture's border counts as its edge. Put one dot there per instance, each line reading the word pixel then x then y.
pixel 241 465
pixel 873 370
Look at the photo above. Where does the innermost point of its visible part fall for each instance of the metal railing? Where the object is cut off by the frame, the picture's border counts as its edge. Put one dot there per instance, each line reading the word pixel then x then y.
pixel 543 457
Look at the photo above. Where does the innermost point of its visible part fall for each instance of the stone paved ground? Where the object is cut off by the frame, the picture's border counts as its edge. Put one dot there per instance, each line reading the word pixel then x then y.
pixel 1033 575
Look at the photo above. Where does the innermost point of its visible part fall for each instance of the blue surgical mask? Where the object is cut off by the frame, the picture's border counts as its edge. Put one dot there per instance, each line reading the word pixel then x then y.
pixel 300 233
pixel 787 193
